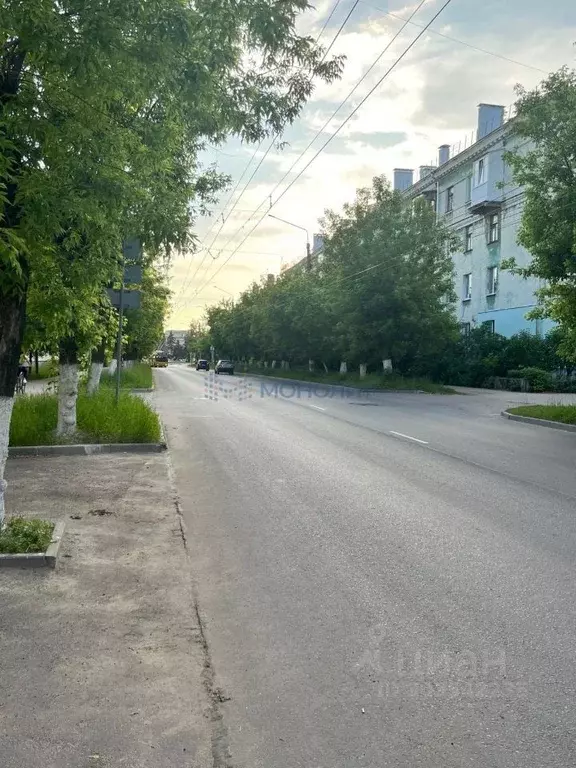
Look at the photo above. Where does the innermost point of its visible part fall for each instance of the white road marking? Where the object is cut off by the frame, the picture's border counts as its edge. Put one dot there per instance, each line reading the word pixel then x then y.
pixel 317 407
pixel 407 437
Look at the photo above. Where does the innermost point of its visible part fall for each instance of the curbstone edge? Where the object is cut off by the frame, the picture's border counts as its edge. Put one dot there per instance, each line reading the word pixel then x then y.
pixel 539 422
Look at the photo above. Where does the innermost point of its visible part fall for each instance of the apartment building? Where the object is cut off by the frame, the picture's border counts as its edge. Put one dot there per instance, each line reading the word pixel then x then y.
pixel 473 193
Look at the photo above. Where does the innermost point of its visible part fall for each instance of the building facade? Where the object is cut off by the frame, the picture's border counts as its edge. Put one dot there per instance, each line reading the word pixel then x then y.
pixel 474 194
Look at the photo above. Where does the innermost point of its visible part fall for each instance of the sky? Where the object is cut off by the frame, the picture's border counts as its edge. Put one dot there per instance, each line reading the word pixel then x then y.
pixel 429 99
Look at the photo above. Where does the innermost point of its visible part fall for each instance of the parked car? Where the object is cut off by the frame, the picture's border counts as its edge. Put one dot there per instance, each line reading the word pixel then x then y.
pixel 202 365
pixel 224 366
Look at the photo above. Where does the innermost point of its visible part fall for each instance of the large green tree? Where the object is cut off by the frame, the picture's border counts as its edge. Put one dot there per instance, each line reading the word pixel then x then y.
pixel 383 290
pixel 545 165
pixel 390 274
pixel 104 107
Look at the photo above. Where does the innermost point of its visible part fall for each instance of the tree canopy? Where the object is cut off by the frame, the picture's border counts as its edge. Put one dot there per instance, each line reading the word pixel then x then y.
pixel 382 289
pixel 547 171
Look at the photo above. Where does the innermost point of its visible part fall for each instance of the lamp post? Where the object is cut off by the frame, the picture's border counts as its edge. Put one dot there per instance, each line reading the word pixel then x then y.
pixel 297 226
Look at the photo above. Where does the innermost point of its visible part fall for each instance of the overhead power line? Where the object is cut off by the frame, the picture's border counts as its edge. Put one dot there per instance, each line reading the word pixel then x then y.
pixel 187 282
pixel 345 122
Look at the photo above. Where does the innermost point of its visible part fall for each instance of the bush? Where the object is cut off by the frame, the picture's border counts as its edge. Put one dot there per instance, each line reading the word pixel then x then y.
pixel 21 536
pixel 538 379
pixel 138 376
pixel 100 420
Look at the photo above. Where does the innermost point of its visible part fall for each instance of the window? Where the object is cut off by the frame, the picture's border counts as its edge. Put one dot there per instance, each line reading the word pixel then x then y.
pixel 449 199
pixel 468 238
pixel 489 325
pixel 492 282
pixel 494 228
pixel 480 172
pixel 468 188
pixel 465 329
pixel 467 287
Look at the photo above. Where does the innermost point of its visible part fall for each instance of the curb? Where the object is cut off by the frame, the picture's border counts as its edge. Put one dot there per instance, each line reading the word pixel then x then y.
pixel 88 449
pixel 37 559
pixel 139 391
pixel 539 422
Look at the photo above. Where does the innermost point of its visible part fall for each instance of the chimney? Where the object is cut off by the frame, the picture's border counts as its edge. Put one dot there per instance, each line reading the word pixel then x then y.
pixel 490 117
pixel 426 170
pixel 443 154
pixel 403 178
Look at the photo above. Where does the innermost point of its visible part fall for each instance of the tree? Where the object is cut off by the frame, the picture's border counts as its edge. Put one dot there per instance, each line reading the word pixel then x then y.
pixel 546 118
pixel 170 342
pixel 390 274
pixel 384 290
pixel 103 111
pixel 198 340
pixel 144 326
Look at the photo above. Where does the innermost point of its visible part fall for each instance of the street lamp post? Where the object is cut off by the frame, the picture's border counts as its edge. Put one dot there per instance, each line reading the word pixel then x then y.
pixel 297 226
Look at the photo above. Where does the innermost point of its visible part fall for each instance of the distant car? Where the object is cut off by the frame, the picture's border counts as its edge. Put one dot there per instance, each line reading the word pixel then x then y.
pixel 202 365
pixel 224 366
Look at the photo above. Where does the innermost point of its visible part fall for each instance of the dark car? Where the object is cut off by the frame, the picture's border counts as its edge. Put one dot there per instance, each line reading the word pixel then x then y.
pixel 202 365
pixel 224 366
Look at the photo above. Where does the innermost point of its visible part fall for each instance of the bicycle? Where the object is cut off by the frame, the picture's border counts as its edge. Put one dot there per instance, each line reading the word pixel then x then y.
pixel 21 383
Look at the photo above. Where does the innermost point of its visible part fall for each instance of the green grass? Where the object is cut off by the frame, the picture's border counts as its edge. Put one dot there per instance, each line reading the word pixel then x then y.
pixel 390 381
pixel 139 376
pixel 563 413
pixel 46 370
pixel 100 420
pixel 21 536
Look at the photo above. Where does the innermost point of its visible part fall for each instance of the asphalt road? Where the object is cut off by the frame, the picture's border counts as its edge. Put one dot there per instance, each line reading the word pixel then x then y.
pixel 385 581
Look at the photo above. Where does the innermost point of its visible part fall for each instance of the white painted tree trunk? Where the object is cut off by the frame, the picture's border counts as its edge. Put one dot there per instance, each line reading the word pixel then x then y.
pixel 325 367
pixel 6 404
pixel 343 367
pixel 310 365
pixel 112 367
pixel 273 364
pixel 94 378
pixel 363 369
pixel 67 397
pixel 387 365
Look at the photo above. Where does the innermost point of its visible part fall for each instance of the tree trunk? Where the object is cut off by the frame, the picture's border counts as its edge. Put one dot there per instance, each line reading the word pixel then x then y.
pixel 343 367
pixel 12 316
pixel 96 367
pixel 36 363
pixel 363 369
pixel 13 297
pixel 68 388
pixel 387 365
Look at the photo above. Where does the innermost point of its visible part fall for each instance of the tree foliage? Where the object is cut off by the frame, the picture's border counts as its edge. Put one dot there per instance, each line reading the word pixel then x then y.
pixel 384 289
pixel 104 108
pixel 547 171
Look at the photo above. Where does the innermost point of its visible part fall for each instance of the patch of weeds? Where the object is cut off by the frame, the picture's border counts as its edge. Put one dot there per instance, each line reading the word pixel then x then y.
pixel 22 535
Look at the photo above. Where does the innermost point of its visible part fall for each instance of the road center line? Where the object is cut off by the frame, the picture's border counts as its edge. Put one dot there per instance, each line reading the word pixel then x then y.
pixel 318 408
pixel 407 437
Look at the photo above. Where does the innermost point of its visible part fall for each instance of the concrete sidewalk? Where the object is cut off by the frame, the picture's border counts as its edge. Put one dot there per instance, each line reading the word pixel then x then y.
pixel 103 662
